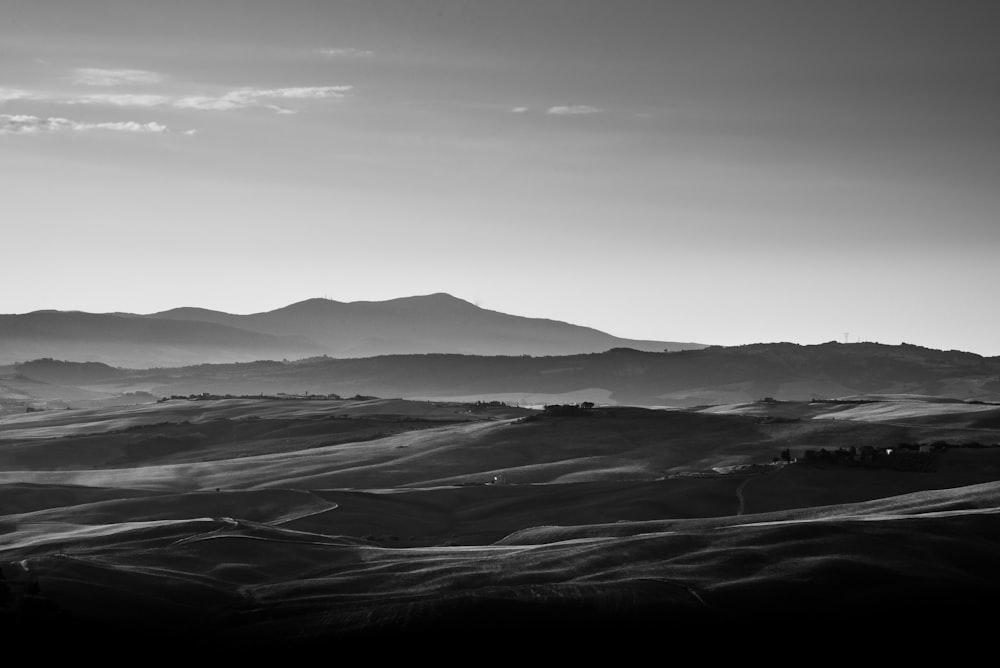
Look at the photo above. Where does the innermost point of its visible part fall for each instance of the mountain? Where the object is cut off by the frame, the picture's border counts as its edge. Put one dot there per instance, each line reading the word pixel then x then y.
pixel 437 323
pixel 714 375
pixel 136 341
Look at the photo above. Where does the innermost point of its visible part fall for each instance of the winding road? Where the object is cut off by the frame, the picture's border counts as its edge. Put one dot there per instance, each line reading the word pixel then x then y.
pixel 739 496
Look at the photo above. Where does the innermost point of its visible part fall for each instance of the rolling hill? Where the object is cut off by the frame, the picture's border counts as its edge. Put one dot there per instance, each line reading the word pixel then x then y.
pixel 246 526
pixel 714 375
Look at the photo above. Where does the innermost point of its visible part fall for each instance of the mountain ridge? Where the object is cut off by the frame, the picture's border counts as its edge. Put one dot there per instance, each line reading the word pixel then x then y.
pixel 434 323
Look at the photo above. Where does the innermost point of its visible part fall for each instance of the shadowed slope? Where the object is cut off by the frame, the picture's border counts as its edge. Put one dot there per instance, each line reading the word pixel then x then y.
pixel 242 584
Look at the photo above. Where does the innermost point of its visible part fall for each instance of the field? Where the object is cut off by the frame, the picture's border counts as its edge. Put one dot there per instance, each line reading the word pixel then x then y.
pixel 272 524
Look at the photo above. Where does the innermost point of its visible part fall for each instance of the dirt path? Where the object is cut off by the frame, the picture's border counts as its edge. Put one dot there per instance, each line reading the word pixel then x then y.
pixel 739 496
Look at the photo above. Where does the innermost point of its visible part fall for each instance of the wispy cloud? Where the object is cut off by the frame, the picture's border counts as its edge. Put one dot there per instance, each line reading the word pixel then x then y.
pixel 21 124
pixel 519 110
pixel 345 52
pixel 121 100
pixel 277 100
pixel 574 110
pixel 93 76
pixel 251 97
pixel 8 94
pixel 305 92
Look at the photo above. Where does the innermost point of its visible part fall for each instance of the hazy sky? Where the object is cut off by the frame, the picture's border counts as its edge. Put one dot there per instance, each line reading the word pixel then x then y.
pixel 721 172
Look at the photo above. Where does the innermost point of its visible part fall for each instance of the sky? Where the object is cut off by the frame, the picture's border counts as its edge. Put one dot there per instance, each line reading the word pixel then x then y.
pixel 723 172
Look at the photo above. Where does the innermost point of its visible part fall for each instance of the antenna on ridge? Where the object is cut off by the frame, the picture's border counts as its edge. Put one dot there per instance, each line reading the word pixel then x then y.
pixel 845 337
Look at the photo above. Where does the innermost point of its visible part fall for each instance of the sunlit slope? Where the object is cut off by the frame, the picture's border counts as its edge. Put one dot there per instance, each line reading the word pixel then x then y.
pixel 104 420
pixel 240 444
pixel 244 444
pixel 357 453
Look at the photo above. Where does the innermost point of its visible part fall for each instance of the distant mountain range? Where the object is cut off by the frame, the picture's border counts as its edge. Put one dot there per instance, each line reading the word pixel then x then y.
pixel 714 375
pixel 437 323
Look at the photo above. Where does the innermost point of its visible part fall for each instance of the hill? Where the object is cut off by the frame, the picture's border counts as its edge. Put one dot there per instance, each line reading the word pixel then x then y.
pixel 714 375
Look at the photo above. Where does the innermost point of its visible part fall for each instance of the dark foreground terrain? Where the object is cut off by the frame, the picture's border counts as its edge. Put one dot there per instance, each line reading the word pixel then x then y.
pixel 390 526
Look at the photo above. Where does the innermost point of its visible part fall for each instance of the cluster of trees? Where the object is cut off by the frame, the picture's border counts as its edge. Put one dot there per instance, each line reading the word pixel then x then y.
pixel 208 396
pixel 944 445
pixel 775 419
pixel 582 408
pixel 905 458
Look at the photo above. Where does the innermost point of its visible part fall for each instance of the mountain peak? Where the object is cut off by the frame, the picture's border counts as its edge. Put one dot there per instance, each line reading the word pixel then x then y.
pixel 313 305
pixel 434 301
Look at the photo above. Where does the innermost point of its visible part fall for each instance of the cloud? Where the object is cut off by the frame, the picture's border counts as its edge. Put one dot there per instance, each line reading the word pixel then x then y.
pixel 574 110
pixel 8 94
pixel 253 97
pixel 205 103
pixel 519 110
pixel 121 100
pixel 307 92
pixel 11 124
pixel 22 124
pixel 92 76
pixel 126 126
pixel 346 52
